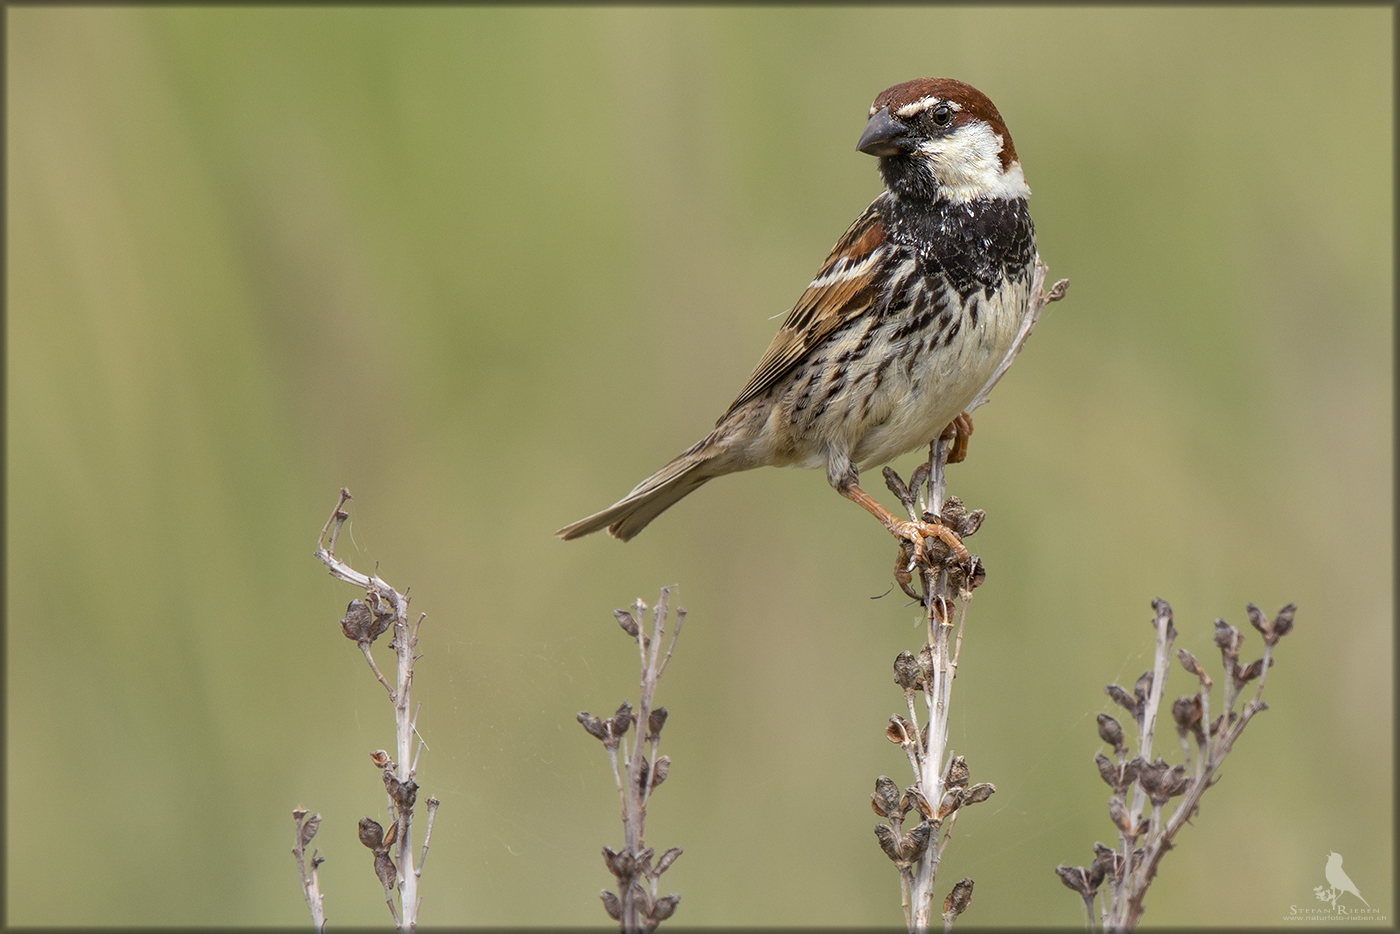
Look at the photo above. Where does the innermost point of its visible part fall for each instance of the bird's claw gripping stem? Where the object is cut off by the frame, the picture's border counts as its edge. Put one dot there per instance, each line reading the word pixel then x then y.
pixel 915 533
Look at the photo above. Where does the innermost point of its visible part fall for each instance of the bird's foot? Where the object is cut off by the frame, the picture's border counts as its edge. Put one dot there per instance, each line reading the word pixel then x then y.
pixel 917 534
pixel 959 431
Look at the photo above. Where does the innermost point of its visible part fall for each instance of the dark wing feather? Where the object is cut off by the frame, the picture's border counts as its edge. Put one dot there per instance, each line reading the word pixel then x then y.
pixel 826 305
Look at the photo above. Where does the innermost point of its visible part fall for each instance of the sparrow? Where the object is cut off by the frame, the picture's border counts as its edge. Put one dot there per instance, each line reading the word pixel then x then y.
pixel 904 323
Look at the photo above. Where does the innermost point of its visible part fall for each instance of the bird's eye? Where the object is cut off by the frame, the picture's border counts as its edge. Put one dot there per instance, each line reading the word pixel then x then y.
pixel 942 115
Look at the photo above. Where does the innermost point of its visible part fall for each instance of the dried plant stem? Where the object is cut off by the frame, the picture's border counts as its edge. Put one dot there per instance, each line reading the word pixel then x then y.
pixel 940 786
pixel 1145 838
pixel 384 609
pixel 641 907
pixel 946 581
pixel 310 881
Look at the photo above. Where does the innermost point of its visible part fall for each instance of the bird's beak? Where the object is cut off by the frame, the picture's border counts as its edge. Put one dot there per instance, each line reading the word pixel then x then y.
pixel 885 136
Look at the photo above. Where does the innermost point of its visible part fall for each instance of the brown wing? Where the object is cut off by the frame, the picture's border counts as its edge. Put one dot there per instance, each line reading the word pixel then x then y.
pixel 847 286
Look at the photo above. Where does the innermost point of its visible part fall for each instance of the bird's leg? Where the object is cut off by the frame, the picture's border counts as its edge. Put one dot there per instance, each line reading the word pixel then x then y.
pixel 913 532
pixel 959 431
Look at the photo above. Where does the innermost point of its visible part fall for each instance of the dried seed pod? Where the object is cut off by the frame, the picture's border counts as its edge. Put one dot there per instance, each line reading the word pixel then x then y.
pixel 897 487
pixel 900 731
pixel 1150 776
pixel 906 672
pixel 914 798
pixel 926 662
pixel 1283 622
pixel 593 725
pixel 950 802
pixel 1094 875
pixel 1187 712
pixel 1191 664
pixel 656 720
pixel 308 829
pixel 1176 782
pixel 1259 621
pixel 359 624
pixel 622 719
pixel 958 773
pixel 383 612
pixel 957 901
pixel 914 843
pixel 918 478
pixel 936 551
pixel 978 793
pixel 977 576
pixel 371 833
pixel 1075 879
pixel 1122 698
pixel 1162 616
pixel 953 514
pixel 392 836
pixel 1108 863
pixel 888 842
pixel 1118 813
pixel 644 860
pixel 1227 639
pixel 667 858
pixel 660 771
pixel 622 865
pixel 1141 689
pixel 628 622
pixel 385 869
pixel 885 798
pixel 611 905
pixel 1249 672
pixel 381 758
pixel 1110 773
pixel 664 907
pixel 1131 768
pixel 971 523
pixel 1111 732
pixel 404 794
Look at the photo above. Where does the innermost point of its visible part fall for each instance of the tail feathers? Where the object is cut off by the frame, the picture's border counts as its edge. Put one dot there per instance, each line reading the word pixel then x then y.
pixel 653 496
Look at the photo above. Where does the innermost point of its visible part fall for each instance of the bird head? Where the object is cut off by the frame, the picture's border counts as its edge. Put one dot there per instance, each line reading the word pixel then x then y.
pixel 940 138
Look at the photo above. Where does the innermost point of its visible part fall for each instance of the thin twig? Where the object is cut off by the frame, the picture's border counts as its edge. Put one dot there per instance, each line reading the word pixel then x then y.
pixel 310 881
pixel 386 608
pixel 1144 842
pixel 638 907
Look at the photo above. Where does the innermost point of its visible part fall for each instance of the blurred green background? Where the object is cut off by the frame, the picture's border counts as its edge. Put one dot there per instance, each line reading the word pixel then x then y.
pixel 488 268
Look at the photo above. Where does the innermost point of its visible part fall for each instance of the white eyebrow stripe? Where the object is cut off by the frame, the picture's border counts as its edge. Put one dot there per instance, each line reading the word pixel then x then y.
pixel 919 106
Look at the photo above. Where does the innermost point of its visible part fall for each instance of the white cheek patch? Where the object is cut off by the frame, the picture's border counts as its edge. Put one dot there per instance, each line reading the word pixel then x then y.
pixel 967 164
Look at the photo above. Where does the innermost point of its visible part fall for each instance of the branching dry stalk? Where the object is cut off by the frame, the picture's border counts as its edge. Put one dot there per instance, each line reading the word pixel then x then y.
pixel 383 608
pixel 941 782
pixel 1144 837
pixel 310 882
pixel 640 907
